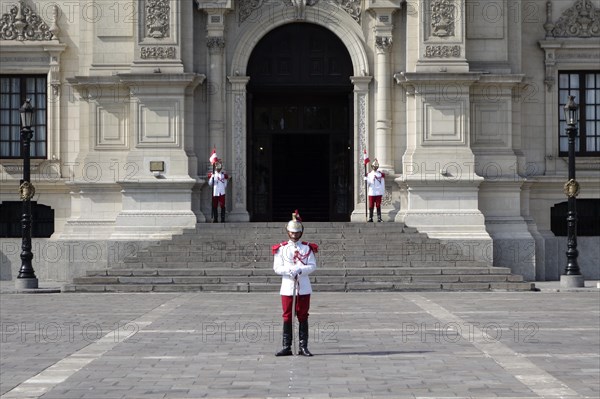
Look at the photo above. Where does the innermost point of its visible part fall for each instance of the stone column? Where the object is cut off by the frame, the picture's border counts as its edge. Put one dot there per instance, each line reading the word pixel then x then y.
pixel 239 213
pixel 216 105
pixel 383 120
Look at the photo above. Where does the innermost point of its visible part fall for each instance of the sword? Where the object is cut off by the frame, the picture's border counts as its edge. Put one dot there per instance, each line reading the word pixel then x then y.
pixel 294 294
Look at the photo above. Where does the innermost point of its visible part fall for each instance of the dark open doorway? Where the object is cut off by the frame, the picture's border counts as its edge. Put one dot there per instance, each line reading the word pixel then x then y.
pixel 300 176
pixel 300 126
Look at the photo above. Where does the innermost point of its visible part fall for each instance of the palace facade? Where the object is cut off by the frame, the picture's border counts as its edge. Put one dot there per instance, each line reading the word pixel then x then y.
pixel 460 101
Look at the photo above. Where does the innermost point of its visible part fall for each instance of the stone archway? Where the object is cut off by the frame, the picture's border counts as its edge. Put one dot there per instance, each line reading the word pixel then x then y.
pixel 350 33
pixel 299 146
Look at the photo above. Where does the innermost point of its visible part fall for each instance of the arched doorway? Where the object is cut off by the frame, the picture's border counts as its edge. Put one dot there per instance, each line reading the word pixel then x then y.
pixel 300 126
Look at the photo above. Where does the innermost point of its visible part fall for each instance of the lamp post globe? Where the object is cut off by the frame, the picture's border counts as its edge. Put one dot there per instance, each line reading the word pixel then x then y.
pixel 26 277
pixel 572 276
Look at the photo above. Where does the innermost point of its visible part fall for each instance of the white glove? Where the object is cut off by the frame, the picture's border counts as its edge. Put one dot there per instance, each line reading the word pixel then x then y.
pixel 294 272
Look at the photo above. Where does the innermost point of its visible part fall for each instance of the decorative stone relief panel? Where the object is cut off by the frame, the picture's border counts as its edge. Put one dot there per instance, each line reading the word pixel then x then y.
pixel 156 52
pixel 442 51
pixel 157 18
pixel 362 141
pixel 442 18
pixel 21 23
pixel 580 20
pixel 158 123
pixel 238 133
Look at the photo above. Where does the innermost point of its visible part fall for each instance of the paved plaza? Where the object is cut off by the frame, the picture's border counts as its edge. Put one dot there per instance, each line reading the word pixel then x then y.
pixel 397 345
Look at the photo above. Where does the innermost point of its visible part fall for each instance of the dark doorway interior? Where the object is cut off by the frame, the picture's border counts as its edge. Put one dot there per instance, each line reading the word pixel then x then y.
pixel 301 176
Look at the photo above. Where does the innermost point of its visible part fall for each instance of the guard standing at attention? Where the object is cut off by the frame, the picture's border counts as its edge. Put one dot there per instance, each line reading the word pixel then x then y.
pixel 218 182
pixel 294 261
pixel 376 188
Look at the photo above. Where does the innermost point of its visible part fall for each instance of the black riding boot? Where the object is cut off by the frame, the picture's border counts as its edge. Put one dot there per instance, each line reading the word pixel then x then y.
pixel 287 341
pixel 370 214
pixel 223 215
pixel 303 339
pixel 379 215
pixel 215 216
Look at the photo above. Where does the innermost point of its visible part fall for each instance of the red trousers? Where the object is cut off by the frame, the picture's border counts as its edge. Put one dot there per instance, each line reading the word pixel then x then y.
pixel 375 200
pixel 302 306
pixel 218 200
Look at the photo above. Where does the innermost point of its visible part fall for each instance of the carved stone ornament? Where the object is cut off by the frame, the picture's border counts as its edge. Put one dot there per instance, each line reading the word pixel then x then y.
pixel 158 53
pixel 21 23
pixel 442 18
pixel 580 20
pixel 442 51
pixel 216 43
pixel 157 18
pixel 247 7
pixel 26 191
pixel 383 43
pixel 571 188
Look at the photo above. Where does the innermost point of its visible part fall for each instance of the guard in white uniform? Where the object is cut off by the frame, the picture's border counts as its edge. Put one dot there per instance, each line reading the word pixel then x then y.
pixel 218 182
pixel 294 261
pixel 375 190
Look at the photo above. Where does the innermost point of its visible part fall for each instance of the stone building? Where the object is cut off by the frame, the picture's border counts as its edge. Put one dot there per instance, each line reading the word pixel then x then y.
pixel 459 100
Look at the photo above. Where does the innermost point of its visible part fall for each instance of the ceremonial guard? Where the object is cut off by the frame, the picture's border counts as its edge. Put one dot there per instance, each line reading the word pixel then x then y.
pixel 376 188
pixel 294 261
pixel 218 181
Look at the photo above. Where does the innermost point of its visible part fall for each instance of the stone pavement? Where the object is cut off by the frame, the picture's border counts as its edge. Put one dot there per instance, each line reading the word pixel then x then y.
pixel 391 344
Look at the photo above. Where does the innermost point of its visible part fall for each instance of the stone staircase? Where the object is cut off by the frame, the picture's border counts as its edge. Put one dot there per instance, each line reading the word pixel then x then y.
pixel 236 257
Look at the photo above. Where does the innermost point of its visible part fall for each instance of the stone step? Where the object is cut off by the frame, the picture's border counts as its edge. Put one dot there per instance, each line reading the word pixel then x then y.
pixel 473 272
pixel 236 257
pixel 339 287
pixel 324 276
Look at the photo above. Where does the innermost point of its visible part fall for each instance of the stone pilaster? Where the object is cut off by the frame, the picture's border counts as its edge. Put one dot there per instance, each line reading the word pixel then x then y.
pixel 239 213
pixel 383 31
pixel 440 189
pixel 361 138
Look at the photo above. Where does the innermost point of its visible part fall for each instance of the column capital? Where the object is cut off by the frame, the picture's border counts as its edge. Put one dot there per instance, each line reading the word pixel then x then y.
pixel 238 82
pixel 215 44
pixel 361 83
pixel 383 43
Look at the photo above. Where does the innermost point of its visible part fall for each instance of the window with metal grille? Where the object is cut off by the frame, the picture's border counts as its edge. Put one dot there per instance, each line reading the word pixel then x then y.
pixel 14 89
pixel 585 86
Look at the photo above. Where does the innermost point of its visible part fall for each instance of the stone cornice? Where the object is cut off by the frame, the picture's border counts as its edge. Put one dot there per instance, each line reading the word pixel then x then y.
pixel 403 78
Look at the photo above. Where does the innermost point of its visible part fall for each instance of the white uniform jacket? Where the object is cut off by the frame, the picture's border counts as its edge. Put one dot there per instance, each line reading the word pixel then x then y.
pixel 218 181
pixel 293 256
pixel 375 183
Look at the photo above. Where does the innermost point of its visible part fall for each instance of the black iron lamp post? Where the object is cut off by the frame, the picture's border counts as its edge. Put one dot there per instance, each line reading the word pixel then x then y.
pixel 26 278
pixel 572 276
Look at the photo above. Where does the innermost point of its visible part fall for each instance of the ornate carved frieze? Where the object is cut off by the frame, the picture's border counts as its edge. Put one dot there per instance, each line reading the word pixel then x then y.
pixel 362 140
pixel 247 7
pixel 352 7
pixel 442 51
pixel 442 18
pixel 580 20
pixel 157 18
pixel 383 43
pixel 21 23
pixel 157 52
